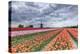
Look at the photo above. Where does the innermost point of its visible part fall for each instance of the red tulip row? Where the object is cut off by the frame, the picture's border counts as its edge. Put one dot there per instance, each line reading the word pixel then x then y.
pixel 74 29
pixel 74 32
pixel 61 42
pixel 29 45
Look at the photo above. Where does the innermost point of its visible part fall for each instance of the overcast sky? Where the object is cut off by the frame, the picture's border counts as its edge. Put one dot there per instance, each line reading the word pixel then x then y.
pixel 51 15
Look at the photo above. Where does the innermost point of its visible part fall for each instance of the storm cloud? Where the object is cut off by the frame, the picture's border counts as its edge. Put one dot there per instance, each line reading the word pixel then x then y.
pixel 51 15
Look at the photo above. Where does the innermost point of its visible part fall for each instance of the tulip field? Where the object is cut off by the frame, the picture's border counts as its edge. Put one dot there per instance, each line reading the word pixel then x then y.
pixel 50 39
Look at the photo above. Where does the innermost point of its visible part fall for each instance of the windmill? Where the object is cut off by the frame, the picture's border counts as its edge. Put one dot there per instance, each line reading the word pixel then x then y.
pixel 41 24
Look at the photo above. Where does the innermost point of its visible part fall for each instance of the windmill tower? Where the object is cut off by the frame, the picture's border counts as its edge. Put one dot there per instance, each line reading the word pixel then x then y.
pixel 41 25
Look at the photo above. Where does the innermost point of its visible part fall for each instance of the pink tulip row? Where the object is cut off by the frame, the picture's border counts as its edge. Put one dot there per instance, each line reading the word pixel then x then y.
pixel 23 32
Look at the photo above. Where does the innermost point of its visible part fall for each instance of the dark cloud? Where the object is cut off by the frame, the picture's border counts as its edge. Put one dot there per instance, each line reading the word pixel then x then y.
pixel 30 11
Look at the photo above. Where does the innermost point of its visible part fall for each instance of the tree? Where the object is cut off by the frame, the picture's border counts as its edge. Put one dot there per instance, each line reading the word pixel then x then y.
pixel 31 26
pixel 20 26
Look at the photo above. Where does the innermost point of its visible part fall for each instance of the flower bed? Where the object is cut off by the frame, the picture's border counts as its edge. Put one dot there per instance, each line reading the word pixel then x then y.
pixel 32 45
pixel 61 42
pixel 74 32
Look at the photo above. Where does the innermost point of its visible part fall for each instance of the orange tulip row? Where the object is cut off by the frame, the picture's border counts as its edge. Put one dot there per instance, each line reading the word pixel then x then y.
pixel 61 42
pixel 28 45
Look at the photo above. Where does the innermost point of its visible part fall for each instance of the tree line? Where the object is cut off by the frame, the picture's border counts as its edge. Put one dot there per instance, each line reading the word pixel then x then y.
pixel 22 26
